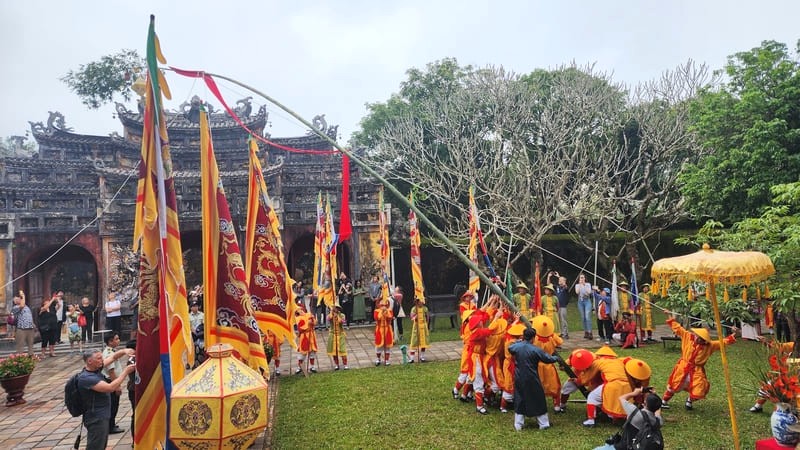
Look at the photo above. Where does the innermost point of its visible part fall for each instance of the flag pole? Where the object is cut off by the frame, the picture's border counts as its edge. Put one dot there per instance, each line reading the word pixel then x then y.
pixel 595 262
pixel 390 187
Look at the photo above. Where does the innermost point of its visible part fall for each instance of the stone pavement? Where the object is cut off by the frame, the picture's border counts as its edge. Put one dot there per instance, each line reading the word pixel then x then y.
pixel 44 423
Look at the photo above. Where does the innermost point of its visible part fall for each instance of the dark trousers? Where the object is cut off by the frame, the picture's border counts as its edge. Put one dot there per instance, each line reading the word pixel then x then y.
pixel 112 422
pixel 114 323
pixel 97 434
pixel 132 399
pixel 347 309
pixel 605 329
pixel 782 328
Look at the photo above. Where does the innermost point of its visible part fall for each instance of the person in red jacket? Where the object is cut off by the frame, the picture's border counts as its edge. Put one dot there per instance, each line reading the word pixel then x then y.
pixel 625 331
pixel 476 349
pixel 384 334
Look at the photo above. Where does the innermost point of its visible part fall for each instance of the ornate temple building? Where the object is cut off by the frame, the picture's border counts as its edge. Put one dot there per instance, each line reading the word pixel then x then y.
pixel 66 214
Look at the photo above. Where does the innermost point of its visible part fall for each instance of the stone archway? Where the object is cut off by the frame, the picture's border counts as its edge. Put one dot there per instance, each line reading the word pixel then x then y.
pixel 300 258
pixel 73 269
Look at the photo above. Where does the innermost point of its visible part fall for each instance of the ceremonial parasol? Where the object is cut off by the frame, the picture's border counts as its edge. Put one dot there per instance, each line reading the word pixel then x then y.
pixel 714 267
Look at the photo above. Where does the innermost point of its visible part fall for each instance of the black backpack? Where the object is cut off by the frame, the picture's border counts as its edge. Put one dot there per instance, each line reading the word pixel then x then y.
pixel 649 436
pixel 72 396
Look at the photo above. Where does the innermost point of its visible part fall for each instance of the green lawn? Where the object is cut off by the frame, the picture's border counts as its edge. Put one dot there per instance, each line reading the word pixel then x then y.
pixel 411 407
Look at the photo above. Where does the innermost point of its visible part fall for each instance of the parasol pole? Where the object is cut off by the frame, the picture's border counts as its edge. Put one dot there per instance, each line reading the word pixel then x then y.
pixel 712 294
pixel 595 263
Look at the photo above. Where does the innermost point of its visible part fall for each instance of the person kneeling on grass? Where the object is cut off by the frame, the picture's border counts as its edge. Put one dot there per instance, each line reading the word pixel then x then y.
pixel 529 398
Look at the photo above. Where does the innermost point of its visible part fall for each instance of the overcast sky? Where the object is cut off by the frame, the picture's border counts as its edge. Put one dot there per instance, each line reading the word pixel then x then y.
pixel 333 57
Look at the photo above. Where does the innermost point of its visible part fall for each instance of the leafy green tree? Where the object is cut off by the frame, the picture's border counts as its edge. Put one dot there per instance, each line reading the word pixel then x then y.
pixel 775 232
pixel 750 125
pixel 97 82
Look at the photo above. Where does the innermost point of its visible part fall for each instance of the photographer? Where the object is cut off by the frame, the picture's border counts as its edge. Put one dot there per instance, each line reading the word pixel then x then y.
pixel 636 418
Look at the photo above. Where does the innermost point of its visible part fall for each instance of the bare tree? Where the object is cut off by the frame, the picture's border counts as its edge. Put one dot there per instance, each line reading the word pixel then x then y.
pixel 640 172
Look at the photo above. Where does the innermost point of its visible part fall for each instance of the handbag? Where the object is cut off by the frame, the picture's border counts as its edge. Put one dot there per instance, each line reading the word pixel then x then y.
pixel 81 320
pixel 11 320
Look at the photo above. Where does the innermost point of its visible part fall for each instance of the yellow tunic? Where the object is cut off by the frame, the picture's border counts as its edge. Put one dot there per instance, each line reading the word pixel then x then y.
pixel 693 361
pixel 419 330
pixel 615 384
pixel 384 335
pixel 523 301
pixel 647 317
pixel 305 333
pixel 550 309
pixel 624 303
pixel 494 348
pixel 548 374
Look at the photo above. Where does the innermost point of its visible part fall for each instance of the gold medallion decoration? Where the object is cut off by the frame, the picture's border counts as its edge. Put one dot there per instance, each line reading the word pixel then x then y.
pixel 245 411
pixel 195 417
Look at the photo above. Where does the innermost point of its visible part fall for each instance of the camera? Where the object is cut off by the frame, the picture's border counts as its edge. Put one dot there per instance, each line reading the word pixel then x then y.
pixel 648 390
pixel 132 360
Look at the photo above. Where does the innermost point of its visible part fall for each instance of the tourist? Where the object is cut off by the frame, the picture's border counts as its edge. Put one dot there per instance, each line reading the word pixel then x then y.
pixel 306 341
pixel 96 396
pixel 529 396
pixel 605 326
pixel 337 339
pixel 24 323
pixel 48 325
pixel 73 329
pixel 562 293
pixel 636 417
pixel 87 312
pixel 113 371
pixel 522 300
pixel 374 293
pixel 397 310
pixel 113 313
pixel 360 302
pixel 585 304
pixel 419 330
pixel 384 335
pixel 60 314
pixel 345 296
pixel 689 373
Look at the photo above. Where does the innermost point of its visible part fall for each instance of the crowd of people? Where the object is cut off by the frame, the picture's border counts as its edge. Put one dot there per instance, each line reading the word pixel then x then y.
pixel 56 318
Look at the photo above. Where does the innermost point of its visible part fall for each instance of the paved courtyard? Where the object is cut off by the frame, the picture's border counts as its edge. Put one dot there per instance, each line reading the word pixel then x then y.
pixel 44 423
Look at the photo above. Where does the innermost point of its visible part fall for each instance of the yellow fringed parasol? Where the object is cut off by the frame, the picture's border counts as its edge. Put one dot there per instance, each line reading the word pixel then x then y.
pixel 714 267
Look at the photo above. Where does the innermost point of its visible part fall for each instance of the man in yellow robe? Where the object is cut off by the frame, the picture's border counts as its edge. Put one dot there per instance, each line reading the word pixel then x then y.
pixel 522 300
pixel 689 373
pixel 419 329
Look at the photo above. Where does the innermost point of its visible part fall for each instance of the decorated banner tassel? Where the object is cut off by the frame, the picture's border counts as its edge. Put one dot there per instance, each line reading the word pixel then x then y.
pixel 766 291
pixel 758 292
pixel 690 294
pixel 725 295
pixel 744 294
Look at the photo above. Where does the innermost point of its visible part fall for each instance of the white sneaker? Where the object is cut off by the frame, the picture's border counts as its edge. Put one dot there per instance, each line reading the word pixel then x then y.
pixel 377 362
pixel 346 367
pixel 588 423
pixel 387 363
pixel 421 359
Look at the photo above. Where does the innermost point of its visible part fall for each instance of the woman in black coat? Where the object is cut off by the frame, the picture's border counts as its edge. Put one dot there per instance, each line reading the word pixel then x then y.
pixel 48 326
